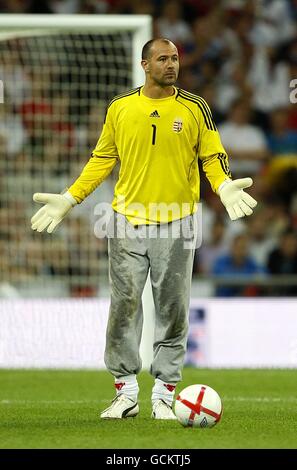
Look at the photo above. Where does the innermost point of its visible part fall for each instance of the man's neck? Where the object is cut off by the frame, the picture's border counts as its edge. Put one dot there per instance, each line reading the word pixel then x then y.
pixel 157 92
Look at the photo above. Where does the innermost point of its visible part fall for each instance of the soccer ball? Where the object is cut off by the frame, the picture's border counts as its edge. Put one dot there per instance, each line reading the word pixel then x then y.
pixel 198 406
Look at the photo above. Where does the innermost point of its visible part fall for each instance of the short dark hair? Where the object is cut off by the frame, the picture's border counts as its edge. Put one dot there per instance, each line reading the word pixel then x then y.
pixel 146 50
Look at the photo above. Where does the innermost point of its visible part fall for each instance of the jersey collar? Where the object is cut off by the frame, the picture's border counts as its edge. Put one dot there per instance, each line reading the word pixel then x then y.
pixel 158 100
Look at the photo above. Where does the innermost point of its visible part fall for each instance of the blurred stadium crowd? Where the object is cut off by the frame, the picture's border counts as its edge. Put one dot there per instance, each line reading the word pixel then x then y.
pixel 241 56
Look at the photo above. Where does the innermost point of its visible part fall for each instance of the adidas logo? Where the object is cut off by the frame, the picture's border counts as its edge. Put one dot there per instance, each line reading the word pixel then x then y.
pixel 154 114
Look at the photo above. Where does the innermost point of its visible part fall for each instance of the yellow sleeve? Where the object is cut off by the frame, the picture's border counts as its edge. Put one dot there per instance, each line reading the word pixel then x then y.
pixel 211 152
pixel 104 158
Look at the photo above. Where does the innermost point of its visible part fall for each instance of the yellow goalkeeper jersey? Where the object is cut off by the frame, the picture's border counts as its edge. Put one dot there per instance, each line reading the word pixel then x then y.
pixel 158 143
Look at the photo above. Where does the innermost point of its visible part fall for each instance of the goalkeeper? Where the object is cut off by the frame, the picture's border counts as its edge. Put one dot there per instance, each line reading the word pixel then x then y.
pixel 157 132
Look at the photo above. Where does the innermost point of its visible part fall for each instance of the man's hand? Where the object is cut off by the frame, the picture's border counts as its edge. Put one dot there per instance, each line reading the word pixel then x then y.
pixel 56 208
pixel 237 202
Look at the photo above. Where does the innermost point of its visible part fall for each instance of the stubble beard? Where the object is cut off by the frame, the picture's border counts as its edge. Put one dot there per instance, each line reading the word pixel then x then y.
pixel 166 81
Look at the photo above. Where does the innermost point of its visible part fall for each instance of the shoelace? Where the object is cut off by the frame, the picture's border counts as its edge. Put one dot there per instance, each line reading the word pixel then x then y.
pixel 117 398
pixel 166 404
pixel 113 401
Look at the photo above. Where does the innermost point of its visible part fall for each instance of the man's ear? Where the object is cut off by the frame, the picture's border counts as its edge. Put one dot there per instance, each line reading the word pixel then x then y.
pixel 145 65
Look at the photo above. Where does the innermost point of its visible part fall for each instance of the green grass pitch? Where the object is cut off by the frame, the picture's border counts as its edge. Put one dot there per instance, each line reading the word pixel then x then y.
pixel 60 409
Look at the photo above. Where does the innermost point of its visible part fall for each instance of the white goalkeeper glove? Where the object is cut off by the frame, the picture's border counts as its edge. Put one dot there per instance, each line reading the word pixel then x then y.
pixel 56 208
pixel 237 202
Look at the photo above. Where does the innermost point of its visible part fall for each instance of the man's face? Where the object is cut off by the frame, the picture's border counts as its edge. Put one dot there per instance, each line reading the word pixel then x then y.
pixel 163 64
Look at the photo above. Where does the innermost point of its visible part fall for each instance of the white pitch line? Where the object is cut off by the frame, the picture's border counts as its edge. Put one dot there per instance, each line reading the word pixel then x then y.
pixel 58 402
pixel 51 402
pixel 96 402
pixel 261 399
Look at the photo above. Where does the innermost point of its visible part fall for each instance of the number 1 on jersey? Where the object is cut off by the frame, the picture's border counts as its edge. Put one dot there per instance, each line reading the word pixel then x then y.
pixel 154 134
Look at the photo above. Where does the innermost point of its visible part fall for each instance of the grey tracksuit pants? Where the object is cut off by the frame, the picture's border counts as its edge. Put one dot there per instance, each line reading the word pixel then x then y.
pixel 167 250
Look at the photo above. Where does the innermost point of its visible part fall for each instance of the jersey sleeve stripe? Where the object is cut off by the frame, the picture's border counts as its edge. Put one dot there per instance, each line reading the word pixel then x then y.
pixel 187 106
pixel 203 107
pixel 203 103
pixel 183 95
pixel 118 97
pixel 103 156
pixel 124 95
pixel 208 112
pixel 224 164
